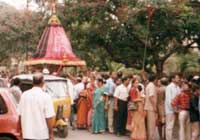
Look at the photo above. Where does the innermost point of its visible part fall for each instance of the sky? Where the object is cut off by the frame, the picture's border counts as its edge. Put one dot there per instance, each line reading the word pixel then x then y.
pixel 19 4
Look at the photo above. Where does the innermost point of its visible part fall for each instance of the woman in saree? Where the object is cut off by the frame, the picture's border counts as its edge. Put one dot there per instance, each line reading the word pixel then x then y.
pixel 138 130
pixel 132 96
pixel 91 88
pixel 99 117
pixel 82 108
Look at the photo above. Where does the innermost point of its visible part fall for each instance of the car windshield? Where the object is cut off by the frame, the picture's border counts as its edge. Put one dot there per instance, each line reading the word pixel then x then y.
pixel 3 107
pixel 56 89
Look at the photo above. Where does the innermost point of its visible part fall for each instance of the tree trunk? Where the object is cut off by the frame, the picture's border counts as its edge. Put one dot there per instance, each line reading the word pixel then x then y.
pixel 159 67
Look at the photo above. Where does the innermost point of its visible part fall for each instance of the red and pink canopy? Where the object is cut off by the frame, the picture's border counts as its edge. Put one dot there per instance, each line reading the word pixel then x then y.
pixel 54 47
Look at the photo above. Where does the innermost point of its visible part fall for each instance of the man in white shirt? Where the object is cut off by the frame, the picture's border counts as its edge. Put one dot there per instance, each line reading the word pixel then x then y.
pixel 71 92
pixel 170 93
pixel 15 89
pixel 151 106
pixel 110 85
pixel 36 112
pixel 121 95
pixel 78 87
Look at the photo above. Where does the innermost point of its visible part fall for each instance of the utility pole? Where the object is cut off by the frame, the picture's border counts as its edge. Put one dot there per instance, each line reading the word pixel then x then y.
pixel 53 7
pixel 27 4
pixel 150 11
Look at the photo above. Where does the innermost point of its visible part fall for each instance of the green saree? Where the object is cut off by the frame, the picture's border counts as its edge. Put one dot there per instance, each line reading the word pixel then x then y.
pixel 99 118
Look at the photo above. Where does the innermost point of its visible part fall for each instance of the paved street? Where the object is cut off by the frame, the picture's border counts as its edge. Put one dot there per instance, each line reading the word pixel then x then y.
pixel 85 135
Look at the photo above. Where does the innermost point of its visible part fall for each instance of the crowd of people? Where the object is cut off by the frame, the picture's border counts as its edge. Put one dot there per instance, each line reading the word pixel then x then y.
pixel 131 105
pixel 137 106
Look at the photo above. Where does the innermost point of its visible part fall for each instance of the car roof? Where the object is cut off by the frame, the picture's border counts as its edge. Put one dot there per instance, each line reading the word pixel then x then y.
pixel 3 89
pixel 46 77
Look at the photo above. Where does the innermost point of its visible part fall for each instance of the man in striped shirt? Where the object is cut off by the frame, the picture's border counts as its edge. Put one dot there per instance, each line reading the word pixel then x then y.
pixel 181 104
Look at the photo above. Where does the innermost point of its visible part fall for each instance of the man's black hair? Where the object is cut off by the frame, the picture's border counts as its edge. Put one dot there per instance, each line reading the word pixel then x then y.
pixel 152 77
pixel 173 76
pixel 105 76
pixel 164 81
pixel 16 81
pixel 119 74
pixel 189 78
pixel 38 79
pixel 195 88
pixel 100 80
pixel 124 79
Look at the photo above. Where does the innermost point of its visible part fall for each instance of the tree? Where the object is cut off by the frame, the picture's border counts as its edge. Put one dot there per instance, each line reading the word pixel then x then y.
pixel 103 31
pixel 120 28
pixel 190 63
pixel 88 31
pixel 174 29
pixel 19 31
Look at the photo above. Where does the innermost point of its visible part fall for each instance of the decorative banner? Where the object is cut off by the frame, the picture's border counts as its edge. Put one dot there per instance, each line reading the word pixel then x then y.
pixel 150 11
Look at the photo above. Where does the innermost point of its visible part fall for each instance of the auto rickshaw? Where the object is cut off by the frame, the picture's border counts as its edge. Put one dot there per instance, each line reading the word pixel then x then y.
pixel 56 87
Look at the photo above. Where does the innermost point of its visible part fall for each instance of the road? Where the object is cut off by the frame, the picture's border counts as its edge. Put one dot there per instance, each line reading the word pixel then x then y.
pixel 85 135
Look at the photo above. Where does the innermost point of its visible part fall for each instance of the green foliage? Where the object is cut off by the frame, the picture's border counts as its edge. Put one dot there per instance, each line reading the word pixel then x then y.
pixel 95 25
pixel 115 67
pixel 184 63
pixel 19 31
pixel 189 62
pixel 119 27
pixel 107 31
